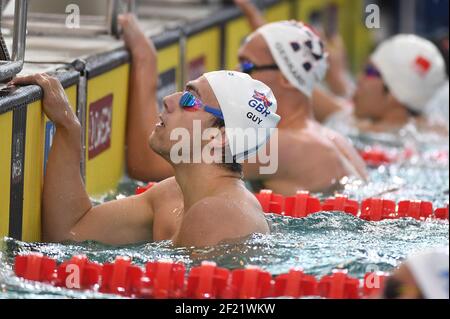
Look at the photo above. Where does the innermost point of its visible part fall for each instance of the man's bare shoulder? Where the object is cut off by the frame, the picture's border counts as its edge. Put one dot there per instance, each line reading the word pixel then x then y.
pixel 238 213
pixel 312 137
pixel 166 188
pixel 169 183
pixel 338 140
pixel 209 208
pixel 216 219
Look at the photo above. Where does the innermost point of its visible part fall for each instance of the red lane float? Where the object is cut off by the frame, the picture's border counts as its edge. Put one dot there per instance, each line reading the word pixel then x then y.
pixel 270 202
pixel 376 209
pixel 88 273
pixel 296 284
pixel 118 277
pixel 441 213
pixel 167 280
pixel 371 209
pixel 143 189
pixel 339 285
pixel 301 205
pixel 35 267
pixel 208 282
pixel 416 209
pixel 251 283
pixel 376 157
pixel 341 203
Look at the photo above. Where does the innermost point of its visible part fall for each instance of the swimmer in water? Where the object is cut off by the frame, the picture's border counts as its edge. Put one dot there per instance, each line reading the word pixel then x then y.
pixel 205 204
pixel 394 89
pixel 290 59
pixel 404 83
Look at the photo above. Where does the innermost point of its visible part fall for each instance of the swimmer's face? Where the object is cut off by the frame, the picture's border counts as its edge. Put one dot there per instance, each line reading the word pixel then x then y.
pixel 256 51
pixel 177 120
pixel 371 97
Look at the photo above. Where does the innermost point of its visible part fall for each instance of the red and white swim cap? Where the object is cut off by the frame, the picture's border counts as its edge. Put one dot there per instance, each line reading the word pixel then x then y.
pixel 412 68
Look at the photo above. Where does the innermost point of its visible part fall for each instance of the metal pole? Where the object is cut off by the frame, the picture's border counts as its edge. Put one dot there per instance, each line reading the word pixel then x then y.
pixel 20 30
pixel 80 66
pixel 407 16
pixel 114 9
pixel 183 60
pixel 131 6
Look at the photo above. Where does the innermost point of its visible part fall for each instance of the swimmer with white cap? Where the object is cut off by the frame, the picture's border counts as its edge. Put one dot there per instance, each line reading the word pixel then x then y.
pixel 291 60
pixel 402 76
pixel 205 204
pixel 423 276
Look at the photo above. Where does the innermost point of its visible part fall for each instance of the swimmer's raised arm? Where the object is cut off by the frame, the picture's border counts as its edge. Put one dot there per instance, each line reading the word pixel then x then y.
pixel 67 210
pixel 325 104
pixel 338 78
pixel 254 16
pixel 142 162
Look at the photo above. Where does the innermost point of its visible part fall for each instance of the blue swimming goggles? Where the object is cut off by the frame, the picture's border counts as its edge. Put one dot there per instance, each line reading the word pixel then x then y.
pixel 192 104
pixel 372 72
pixel 249 67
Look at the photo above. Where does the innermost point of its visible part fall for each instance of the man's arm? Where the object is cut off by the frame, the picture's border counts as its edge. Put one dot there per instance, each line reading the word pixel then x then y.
pixel 67 210
pixel 142 162
pixel 325 104
pixel 337 78
pixel 346 147
pixel 254 16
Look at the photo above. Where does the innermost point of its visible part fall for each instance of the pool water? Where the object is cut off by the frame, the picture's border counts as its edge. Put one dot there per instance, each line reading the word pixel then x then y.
pixel 318 243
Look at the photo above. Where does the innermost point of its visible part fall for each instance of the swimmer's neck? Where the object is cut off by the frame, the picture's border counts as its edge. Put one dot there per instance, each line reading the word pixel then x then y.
pixel 198 181
pixel 395 118
pixel 295 115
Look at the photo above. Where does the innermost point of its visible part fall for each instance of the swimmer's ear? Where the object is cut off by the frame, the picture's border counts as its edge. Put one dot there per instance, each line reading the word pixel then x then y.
pixel 217 137
pixel 392 102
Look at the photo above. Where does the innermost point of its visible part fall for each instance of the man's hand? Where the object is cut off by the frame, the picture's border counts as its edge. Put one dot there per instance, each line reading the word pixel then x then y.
pixel 135 40
pixel 55 103
pixel 336 76
pixel 252 13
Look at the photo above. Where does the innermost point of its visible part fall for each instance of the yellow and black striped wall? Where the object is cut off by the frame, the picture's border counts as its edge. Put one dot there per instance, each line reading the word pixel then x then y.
pixel 98 92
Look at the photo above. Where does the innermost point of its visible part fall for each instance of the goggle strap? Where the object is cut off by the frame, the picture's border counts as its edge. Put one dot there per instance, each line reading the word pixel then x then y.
pixel 213 111
pixel 267 67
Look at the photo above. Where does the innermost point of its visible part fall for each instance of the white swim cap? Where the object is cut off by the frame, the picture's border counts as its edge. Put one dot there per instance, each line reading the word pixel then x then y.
pixel 412 68
pixel 248 107
pixel 298 52
pixel 430 271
